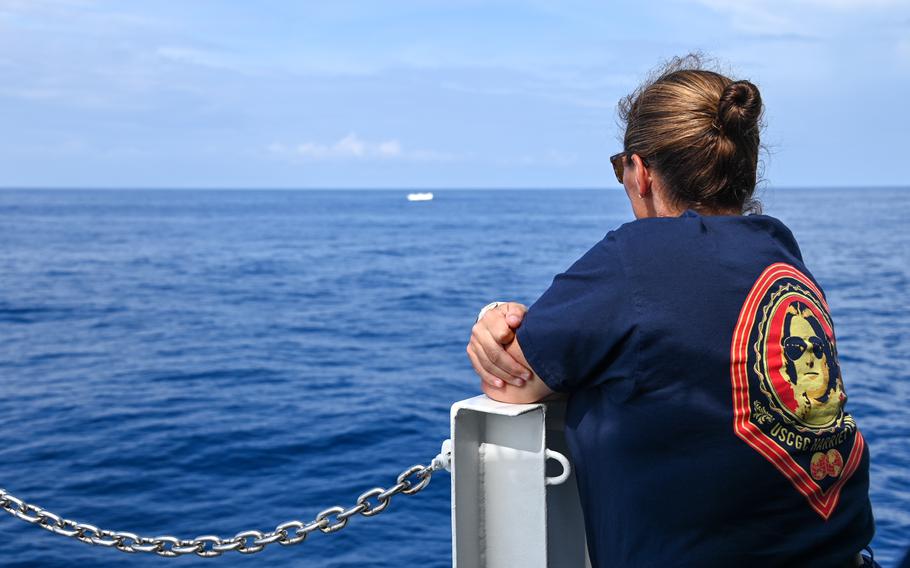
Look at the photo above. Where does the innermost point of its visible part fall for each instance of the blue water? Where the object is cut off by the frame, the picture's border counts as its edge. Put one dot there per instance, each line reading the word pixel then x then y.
pixel 202 362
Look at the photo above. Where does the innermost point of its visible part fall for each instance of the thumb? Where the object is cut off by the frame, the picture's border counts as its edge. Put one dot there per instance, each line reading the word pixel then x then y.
pixel 514 316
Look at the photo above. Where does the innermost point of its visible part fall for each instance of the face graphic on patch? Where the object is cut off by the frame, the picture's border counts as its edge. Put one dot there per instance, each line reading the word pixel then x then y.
pixel 814 377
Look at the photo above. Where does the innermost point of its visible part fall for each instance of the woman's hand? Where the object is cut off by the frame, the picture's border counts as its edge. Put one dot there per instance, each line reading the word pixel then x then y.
pixel 487 347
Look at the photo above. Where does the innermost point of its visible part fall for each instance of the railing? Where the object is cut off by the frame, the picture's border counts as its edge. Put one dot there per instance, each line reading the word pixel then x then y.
pixel 514 498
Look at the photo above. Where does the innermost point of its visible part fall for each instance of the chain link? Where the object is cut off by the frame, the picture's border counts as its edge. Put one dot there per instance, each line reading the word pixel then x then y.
pixel 409 482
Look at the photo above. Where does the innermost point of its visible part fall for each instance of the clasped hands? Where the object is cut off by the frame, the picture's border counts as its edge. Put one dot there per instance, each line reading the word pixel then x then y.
pixel 497 357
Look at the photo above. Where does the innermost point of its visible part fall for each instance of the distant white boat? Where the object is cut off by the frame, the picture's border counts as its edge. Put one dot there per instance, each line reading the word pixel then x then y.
pixel 420 196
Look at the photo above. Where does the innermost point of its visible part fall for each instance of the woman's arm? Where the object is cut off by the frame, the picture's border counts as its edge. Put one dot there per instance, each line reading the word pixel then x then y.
pixel 497 358
pixel 534 389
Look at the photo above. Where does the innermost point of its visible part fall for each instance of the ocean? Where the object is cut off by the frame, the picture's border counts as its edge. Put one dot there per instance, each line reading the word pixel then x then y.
pixel 206 362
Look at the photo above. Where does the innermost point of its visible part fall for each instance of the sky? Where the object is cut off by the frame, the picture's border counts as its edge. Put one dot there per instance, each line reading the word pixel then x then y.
pixel 427 94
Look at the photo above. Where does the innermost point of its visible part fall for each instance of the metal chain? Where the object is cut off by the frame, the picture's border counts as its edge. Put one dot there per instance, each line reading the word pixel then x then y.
pixel 333 519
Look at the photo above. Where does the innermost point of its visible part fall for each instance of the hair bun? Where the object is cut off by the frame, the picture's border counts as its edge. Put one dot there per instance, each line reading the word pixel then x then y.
pixel 739 109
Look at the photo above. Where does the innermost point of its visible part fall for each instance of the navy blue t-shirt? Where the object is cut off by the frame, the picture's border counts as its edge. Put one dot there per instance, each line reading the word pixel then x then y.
pixel 706 414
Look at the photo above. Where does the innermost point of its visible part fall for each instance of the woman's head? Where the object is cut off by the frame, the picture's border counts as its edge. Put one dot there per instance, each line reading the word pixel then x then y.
pixel 696 131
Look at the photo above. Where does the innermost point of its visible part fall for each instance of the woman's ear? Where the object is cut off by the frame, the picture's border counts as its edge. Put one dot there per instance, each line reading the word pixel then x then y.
pixel 642 176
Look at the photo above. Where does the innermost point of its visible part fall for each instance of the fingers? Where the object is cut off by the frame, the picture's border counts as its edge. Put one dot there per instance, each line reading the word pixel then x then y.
pixel 486 349
pixel 495 360
pixel 509 369
pixel 486 377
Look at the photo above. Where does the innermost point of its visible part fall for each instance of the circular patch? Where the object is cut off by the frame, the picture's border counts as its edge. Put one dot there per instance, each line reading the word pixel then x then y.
pixel 788 392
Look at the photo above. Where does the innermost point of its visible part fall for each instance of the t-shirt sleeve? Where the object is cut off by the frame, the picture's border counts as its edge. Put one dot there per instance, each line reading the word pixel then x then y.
pixel 580 332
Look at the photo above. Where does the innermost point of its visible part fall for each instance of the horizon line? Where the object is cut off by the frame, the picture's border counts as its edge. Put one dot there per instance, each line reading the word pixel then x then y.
pixel 392 188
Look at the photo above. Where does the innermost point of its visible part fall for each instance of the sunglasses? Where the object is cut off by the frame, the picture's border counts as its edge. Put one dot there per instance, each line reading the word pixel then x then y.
pixel 794 347
pixel 618 160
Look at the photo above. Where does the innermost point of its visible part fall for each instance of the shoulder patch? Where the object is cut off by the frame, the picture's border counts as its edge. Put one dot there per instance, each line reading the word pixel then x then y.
pixel 788 392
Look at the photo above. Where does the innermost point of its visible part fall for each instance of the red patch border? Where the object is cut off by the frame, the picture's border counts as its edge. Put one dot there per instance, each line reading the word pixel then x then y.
pixel 823 502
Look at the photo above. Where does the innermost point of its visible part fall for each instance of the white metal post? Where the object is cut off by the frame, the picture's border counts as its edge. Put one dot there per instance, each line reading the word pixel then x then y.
pixel 514 498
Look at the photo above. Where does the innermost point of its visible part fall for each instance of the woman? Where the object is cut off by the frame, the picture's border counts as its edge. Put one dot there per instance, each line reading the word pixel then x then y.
pixel 706 411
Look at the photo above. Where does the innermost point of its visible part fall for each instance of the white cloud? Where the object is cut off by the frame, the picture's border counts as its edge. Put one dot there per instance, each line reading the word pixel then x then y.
pixel 903 49
pixel 42 7
pixel 549 158
pixel 753 15
pixel 787 17
pixel 389 148
pixel 192 56
pixel 352 147
pixel 852 4
pixel 33 93
pixel 585 87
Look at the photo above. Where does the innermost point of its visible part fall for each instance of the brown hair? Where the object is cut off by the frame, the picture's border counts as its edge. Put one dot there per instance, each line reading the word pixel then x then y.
pixel 699 131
